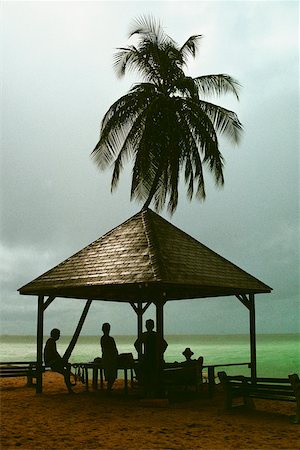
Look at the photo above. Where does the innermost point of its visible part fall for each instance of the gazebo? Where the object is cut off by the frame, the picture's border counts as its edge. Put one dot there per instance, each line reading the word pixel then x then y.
pixel 144 260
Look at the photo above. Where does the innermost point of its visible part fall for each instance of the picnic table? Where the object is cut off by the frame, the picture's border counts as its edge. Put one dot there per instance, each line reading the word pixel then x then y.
pixel 96 369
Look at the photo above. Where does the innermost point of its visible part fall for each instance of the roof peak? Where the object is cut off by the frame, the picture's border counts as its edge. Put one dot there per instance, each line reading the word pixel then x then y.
pixel 145 256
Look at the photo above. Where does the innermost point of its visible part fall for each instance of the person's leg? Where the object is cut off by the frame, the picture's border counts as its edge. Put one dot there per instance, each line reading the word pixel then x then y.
pixel 110 374
pixel 66 374
pixel 65 371
pixel 110 382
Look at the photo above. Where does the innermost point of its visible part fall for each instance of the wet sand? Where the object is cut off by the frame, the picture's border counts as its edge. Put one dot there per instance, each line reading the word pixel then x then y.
pixel 93 420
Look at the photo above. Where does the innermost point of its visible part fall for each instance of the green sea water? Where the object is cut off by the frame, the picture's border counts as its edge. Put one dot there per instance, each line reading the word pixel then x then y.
pixel 278 355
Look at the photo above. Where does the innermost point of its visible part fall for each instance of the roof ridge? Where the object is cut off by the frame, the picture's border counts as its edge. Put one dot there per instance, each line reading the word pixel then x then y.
pixel 152 242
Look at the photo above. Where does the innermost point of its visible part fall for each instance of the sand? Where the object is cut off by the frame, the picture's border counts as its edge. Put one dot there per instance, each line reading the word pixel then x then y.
pixel 94 420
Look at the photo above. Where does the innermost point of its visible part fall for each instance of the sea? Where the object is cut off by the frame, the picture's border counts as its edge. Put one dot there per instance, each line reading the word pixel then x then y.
pixel 278 355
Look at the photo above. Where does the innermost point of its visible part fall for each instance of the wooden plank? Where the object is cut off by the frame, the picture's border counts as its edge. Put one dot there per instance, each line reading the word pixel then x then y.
pixel 48 302
pixel 240 386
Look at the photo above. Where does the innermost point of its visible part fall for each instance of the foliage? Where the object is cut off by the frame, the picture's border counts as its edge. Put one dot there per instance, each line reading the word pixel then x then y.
pixel 163 124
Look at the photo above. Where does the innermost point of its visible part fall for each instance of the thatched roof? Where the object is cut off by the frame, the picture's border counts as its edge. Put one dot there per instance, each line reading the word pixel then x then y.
pixel 145 258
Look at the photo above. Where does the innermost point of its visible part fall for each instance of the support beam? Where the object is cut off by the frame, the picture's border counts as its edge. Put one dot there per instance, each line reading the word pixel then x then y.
pixel 72 344
pixel 48 302
pixel 243 299
pixel 160 318
pixel 39 341
pixel 252 337
pixel 139 310
pixel 250 305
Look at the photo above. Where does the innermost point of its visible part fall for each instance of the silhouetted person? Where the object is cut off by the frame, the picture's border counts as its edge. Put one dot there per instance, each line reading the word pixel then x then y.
pixel 109 356
pixel 188 355
pixel 153 347
pixel 53 359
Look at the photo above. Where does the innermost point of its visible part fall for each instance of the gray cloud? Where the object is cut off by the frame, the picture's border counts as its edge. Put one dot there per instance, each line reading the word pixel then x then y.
pixel 58 83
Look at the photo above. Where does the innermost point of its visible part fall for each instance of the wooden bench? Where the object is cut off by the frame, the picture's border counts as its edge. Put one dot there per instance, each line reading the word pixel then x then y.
pixel 19 369
pixel 283 389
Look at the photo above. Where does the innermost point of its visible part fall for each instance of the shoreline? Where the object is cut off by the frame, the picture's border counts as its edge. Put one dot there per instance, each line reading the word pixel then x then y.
pixel 92 420
pixel 133 336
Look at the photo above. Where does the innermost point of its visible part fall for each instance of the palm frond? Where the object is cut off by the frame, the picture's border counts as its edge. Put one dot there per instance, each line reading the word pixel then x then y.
pixel 164 123
pixel 130 145
pixel 226 122
pixel 118 121
pixel 123 59
pixel 146 25
pixel 190 47
pixel 217 84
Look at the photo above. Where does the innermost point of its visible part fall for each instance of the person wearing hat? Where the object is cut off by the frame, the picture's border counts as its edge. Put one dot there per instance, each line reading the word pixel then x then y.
pixel 188 354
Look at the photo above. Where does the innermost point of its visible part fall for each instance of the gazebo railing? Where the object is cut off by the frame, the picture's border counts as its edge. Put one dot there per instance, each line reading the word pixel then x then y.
pixel 211 375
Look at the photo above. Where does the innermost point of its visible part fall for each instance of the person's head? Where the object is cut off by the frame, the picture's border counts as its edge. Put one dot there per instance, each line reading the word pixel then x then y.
pixel 188 353
pixel 149 324
pixel 106 328
pixel 55 333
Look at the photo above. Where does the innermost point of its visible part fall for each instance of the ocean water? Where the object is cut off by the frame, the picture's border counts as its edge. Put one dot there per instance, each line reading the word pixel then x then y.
pixel 277 354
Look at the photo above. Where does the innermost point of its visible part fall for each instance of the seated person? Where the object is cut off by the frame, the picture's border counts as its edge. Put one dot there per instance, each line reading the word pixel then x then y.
pixel 53 359
pixel 198 363
pixel 188 355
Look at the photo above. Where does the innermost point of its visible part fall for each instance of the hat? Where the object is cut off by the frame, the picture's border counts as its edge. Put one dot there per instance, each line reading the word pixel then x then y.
pixel 187 352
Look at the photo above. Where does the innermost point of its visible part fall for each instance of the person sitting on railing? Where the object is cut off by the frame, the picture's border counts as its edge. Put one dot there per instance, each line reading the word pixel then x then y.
pixel 53 359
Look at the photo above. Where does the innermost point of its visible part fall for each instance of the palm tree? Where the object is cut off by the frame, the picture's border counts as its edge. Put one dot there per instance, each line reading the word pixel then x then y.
pixel 163 124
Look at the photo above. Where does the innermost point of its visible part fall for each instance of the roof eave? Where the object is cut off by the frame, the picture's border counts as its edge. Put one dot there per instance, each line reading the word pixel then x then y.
pixel 131 292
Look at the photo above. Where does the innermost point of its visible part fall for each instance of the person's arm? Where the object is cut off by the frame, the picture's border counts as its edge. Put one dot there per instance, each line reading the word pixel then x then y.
pixel 138 343
pixel 115 347
pixel 165 345
pixel 56 355
pixel 50 352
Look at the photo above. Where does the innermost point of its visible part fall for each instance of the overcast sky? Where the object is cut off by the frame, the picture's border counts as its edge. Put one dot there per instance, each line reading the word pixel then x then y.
pixel 59 82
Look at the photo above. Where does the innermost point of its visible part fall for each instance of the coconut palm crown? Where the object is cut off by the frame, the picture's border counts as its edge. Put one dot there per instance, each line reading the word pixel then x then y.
pixel 163 124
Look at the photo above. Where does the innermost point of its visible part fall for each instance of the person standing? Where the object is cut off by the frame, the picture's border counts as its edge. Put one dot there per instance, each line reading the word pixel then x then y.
pixel 109 356
pixel 153 348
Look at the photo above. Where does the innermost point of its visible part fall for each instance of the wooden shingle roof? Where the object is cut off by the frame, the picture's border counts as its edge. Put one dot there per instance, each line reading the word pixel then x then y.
pixel 144 258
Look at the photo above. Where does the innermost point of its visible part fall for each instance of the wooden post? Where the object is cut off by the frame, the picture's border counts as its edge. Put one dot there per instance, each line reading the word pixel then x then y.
pixel 160 318
pixel 139 327
pixel 72 344
pixel 250 305
pixel 252 337
pixel 139 310
pixel 39 350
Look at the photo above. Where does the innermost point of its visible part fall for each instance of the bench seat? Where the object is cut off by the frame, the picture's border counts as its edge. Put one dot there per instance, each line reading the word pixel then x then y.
pixel 280 389
pixel 14 369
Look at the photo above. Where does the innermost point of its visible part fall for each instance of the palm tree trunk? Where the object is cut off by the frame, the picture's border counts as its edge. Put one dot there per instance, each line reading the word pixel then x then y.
pixel 153 189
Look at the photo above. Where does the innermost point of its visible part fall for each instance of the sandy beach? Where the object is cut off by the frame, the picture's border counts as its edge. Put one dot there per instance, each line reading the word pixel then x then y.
pixel 94 420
